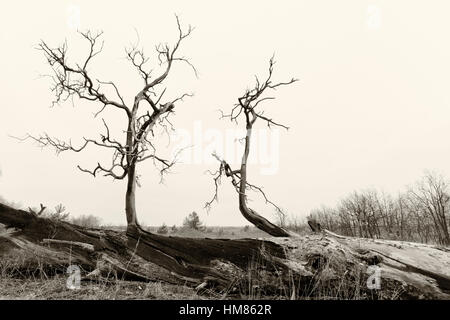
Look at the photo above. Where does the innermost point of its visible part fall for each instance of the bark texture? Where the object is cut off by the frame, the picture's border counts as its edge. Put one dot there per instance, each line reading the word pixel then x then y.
pixel 321 265
pixel 130 200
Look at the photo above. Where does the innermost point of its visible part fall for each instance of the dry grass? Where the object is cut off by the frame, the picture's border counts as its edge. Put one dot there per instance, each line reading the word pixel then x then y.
pixel 252 287
pixel 55 288
pixel 351 285
pixel 42 284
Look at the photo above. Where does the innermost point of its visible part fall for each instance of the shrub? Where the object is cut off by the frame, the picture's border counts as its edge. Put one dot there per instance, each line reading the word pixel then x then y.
pixel 87 221
pixel 193 222
pixel 163 229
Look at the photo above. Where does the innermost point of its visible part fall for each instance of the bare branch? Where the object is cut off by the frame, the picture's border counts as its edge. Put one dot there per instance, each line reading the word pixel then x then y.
pixel 165 55
pixel 224 169
pixel 59 145
pixel 248 102
pixel 107 172
pixel 69 81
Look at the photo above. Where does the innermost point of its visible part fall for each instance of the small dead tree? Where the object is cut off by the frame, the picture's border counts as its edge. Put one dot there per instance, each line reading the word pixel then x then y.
pixel 142 114
pixel 247 107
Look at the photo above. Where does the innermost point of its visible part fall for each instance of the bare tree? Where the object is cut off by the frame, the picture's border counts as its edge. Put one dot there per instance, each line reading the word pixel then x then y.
pixel 432 199
pixel 419 214
pixel 247 108
pixel 74 80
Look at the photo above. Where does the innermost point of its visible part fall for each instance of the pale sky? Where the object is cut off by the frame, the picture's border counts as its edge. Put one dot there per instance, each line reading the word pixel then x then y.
pixel 371 108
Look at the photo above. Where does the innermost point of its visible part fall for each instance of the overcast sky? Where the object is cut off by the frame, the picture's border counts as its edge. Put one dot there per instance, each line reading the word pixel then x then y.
pixel 371 108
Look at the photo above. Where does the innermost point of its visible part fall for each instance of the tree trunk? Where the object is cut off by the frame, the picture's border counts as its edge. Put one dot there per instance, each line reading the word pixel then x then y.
pixel 130 201
pixel 130 195
pixel 321 265
pixel 249 214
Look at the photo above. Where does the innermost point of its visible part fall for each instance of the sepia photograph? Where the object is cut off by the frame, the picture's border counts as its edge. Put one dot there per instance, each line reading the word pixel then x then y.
pixel 233 157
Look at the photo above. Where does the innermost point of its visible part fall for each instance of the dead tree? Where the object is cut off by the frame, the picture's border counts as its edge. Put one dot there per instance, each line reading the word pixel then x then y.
pixel 247 107
pixel 142 114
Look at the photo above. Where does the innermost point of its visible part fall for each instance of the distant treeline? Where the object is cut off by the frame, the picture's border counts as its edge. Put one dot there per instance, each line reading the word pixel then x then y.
pixel 420 213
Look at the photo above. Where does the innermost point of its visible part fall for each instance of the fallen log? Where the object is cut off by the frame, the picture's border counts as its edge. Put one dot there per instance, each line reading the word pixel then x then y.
pixel 85 246
pixel 319 265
